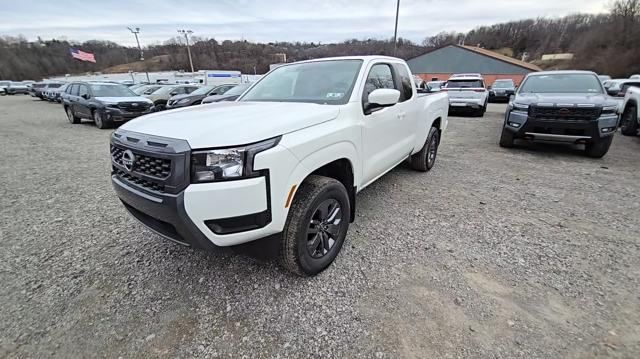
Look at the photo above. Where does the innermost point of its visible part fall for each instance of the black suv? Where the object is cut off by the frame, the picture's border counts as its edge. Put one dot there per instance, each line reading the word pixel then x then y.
pixel 501 90
pixel 562 106
pixel 105 103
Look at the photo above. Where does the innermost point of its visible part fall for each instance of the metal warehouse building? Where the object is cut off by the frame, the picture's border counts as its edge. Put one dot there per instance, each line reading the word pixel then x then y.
pixel 452 59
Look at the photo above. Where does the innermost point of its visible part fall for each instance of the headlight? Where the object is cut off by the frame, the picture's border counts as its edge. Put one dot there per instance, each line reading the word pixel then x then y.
pixel 610 110
pixel 111 104
pixel 227 163
pixel 520 107
pixel 184 100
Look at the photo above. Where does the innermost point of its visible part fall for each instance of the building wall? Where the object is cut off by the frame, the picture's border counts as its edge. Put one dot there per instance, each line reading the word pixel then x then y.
pixel 488 78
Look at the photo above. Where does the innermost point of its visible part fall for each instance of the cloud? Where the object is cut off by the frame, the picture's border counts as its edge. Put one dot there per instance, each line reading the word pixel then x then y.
pixel 275 20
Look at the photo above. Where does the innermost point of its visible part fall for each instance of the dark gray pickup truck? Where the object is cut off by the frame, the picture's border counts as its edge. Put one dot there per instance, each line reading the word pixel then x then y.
pixel 562 106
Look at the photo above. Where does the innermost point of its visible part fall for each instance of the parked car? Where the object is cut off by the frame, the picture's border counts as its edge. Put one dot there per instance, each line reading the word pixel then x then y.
pixel 160 96
pixel 17 88
pixel 230 95
pixel 629 123
pixel 4 85
pixel 467 92
pixel 435 86
pixel 634 77
pixel 36 89
pixel 56 93
pixel 501 90
pixel 284 162
pixel 48 92
pixel 562 106
pixel 604 78
pixel 103 102
pixel 196 97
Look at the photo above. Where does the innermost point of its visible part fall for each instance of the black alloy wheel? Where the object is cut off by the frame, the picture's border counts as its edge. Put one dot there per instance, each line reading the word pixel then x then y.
pixel 324 228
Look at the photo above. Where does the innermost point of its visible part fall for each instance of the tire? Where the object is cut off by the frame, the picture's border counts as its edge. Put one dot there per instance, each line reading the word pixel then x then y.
pixel 302 252
pixel 424 160
pixel 629 121
pixel 160 106
pixel 73 119
pixel 600 148
pixel 506 138
pixel 100 122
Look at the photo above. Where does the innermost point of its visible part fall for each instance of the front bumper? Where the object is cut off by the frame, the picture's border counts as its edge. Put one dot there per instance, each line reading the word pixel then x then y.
pixel 119 115
pixel 500 95
pixel 558 129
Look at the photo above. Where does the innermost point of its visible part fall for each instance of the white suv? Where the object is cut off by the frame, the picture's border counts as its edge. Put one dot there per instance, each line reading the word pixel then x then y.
pixel 467 91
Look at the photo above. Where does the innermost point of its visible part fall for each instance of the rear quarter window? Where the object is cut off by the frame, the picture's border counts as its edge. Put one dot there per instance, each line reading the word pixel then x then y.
pixel 405 82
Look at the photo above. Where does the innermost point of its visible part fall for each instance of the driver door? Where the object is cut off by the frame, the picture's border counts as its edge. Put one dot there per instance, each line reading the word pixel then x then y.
pixel 82 104
pixel 384 128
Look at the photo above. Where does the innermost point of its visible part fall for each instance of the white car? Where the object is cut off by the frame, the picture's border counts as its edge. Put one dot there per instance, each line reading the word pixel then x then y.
pixel 283 163
pixel 467 92
pixel 630 119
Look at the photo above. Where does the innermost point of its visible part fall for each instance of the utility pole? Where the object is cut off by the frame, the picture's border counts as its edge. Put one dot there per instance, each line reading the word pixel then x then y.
pixel 135 33
pixel 186 34
pixel 395 33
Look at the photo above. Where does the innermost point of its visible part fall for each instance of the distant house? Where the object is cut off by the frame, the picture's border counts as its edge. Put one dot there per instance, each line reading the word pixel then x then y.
pixel 441 63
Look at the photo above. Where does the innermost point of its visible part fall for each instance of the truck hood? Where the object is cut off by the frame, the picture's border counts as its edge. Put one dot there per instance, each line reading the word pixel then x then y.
pixel 563 98
pixel 232 123
pixel 123 99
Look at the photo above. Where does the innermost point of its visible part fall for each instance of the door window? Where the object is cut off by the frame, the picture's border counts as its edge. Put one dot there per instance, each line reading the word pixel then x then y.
pixel 380 77
pixel 74 89
pixel 83 90
pixel 189 89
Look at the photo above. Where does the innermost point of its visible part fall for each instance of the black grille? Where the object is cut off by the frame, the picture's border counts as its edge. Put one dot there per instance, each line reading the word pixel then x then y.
pixel 151 166
pixel 138 181
pixel 134 106
pixel 567 113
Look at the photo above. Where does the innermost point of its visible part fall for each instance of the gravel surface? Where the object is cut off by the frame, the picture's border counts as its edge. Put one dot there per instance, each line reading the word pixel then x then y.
pixel 530 252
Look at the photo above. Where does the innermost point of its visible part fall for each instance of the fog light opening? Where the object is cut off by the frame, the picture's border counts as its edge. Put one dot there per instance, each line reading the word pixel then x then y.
pixel 514 124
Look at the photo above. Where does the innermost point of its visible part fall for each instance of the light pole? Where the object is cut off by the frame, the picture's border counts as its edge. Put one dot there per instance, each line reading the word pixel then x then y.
pixel 135 33
pixel 186 34
pixel 395 32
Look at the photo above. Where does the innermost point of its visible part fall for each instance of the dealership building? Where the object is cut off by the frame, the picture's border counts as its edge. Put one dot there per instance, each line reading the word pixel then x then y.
pixel 441 63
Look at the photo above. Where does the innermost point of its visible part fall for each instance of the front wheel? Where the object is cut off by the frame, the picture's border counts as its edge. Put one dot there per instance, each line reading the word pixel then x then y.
pixel 599 148
pixel 100 121
pixel 316 226
pixel 629 121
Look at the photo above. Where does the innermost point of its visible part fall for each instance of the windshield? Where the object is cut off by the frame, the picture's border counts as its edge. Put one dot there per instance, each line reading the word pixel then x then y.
pixel 461 84
pixel 562 83
pixel 323 82
pixel 111 91
pixel 203 90
pixel 146 90
pixel 434 84
pixel 503 84
pixel 54 86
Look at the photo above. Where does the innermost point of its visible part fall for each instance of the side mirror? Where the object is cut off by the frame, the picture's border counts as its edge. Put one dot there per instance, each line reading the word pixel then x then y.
pixel 173 93
pixel 384 97
pixel 85 96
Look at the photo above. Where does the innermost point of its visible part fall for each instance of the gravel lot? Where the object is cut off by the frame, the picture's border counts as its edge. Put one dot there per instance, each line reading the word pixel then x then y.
pixel 532 252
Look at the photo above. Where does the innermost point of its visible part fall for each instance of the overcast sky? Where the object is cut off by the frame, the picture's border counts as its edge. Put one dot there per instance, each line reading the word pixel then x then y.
pixel 268 20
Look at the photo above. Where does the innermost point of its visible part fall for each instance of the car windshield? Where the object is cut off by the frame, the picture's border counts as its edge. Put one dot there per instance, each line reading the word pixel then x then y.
pixel 54 86
pixel 434 84
pixel 203 90
pixel 324 82
pixel 237 90
pixel 503 84
pixel 456 84
pixel 562 83
pixel 111 91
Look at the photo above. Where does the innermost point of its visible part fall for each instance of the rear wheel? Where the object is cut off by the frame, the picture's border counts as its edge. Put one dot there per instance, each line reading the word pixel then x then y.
pixel 426 158
pixel 100 121
pixel 599 148
pixel 629 121
pixel 160 106
pixel 506 138
pixel 71 117
pixel 316 226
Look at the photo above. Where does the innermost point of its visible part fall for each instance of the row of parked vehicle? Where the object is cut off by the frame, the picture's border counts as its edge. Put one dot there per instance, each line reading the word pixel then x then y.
pixel 15 87
pixel 109 103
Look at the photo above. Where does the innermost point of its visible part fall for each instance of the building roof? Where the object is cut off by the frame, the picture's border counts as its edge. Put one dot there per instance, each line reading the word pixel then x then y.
pixel 468 59
pixel 501 57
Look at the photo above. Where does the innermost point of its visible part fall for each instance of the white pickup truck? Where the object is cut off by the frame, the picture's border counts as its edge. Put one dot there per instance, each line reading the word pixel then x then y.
pixel 630 119
pixel 284 162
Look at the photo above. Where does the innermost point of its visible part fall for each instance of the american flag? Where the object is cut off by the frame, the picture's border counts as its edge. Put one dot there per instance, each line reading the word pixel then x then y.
pixel 82 56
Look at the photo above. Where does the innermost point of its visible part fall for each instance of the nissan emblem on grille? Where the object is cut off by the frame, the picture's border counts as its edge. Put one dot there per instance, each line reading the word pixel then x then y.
pixel 564 111
pixel 134 105
pixel 128 158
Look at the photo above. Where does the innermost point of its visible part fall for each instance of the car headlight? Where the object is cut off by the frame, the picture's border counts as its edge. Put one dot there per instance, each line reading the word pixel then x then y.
pixel 610 110
pixel 184 100
pixel 111 104
pixel 225 164
pixel 519 106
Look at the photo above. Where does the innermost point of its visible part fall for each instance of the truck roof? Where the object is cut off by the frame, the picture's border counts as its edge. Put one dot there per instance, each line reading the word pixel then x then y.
pixel 562 72
pixel 364 58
